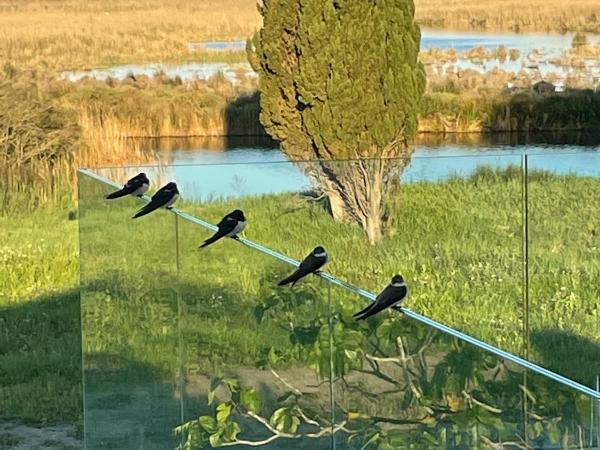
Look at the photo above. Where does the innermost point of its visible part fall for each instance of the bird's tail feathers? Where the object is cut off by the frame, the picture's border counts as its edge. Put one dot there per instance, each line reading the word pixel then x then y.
pixel 363 311
pixel 116 194
pixel 141 212
pixel 210 240
pixel 291 279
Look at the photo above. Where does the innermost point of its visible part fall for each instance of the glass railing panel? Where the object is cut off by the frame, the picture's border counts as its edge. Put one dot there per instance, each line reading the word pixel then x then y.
pixel 397 381
pixel 559 417
pixel 564 263
pixel 255 355
pixel 451 225
pixel 402 384
pixel 129 322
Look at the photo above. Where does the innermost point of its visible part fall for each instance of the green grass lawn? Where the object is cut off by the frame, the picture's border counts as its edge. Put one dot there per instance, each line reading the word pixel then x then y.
pixel 158 309
pixel 40 350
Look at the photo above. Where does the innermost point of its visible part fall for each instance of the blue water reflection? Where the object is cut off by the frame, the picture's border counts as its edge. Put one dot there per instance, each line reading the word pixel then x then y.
pixel 204 172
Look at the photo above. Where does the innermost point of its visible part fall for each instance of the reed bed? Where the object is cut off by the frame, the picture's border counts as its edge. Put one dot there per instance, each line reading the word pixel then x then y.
pixel 510 15
pixel 42 144
pixel 69 34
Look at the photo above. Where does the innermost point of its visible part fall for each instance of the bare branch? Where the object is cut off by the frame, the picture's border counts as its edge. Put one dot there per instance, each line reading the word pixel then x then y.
pixel 285 383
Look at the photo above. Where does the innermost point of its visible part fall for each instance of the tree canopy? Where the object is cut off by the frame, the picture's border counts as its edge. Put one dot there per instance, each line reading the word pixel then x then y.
pixel 340 79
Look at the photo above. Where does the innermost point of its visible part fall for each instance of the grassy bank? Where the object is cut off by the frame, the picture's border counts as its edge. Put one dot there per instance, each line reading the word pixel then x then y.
pixel 39 316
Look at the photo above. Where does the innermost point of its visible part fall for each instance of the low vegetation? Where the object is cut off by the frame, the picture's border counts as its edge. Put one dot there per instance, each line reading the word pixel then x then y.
pixel 48 127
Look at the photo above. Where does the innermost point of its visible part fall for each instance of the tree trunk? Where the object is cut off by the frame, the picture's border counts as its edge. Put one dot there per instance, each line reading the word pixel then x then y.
pixel 356 189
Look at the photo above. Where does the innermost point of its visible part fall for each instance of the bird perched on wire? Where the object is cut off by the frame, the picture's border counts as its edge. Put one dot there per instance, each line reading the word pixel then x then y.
pixel 230 226
pixel 313 262
pixel 391 297
pixel 163 198
pixel 136 186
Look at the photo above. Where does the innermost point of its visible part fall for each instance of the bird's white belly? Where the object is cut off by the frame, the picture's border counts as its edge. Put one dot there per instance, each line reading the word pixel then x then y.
pixel 141 190
pixel 238 229
pixel 170 202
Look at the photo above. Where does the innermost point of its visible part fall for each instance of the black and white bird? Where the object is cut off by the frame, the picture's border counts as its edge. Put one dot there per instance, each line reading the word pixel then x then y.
pixel 313 262
pixel 230 226
pixel 163 198
pixel 392 296
pixel 137 186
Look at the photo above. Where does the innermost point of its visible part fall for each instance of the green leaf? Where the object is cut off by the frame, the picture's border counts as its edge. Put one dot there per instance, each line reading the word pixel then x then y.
pixel 215 440
pixel 230 432
pixel 208 423
pixel 554 433
pixel 223 412
pixel 285 421
pixel 273 358
pixel 250 399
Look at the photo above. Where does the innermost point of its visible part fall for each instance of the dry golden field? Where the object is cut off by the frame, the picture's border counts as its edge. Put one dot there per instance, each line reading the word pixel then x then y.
pixel 511 15
pixel 64 34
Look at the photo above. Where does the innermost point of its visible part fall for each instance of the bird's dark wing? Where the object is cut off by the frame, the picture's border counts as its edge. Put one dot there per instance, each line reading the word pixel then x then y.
pixel 387 298
pixel 159 199
pixel 226 226
pixel 306 267
pixel 129 188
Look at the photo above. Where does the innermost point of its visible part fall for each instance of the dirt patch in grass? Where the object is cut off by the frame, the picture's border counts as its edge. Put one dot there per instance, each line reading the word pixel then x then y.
pixel 17 436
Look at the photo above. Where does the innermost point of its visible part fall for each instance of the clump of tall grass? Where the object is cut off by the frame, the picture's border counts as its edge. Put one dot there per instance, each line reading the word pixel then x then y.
pixel 159 107
pixel 37 141
pixel 42 143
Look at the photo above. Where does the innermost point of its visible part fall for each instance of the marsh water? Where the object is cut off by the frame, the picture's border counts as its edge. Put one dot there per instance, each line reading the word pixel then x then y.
pixel 251 165
pixel 550 46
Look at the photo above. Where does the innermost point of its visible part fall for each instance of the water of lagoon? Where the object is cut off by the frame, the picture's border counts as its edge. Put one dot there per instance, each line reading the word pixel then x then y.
pixel 551 46
pixel 238 166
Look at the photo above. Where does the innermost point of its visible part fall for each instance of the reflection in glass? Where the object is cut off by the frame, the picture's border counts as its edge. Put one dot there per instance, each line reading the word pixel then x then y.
pixel 564 259
pixel 254 359
pixel 203 342
pixel 401 384
pixel 129 322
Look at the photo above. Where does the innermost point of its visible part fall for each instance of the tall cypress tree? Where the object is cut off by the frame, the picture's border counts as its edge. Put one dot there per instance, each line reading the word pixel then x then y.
pixel 340 79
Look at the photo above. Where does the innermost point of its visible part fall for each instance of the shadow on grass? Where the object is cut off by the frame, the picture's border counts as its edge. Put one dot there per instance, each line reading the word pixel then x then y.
pixel 40 359
pixel 570 355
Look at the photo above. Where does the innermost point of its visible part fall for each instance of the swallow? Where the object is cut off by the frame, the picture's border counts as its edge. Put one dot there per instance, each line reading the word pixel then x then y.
pixel 163 198
pixel 391 297
pixel 230 226
pixel 137 186
pixel 313 262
